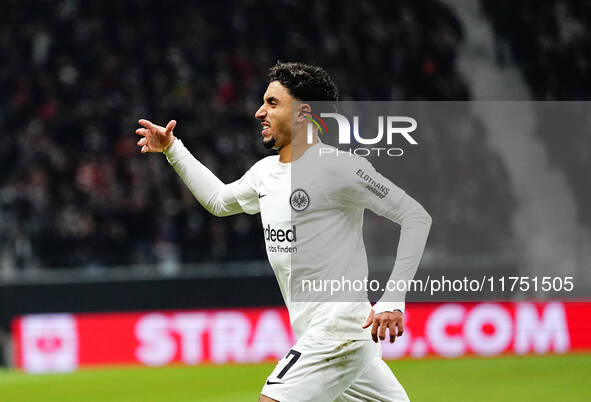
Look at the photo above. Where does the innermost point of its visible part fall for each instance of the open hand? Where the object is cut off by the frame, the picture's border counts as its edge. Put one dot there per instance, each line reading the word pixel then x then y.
pixel 156 138
pixel 392 320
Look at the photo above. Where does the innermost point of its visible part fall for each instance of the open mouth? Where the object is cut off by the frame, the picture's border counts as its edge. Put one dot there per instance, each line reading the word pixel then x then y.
pixel 266 128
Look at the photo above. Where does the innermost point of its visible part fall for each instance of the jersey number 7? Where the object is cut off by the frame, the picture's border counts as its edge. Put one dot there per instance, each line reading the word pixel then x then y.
pixel 296 355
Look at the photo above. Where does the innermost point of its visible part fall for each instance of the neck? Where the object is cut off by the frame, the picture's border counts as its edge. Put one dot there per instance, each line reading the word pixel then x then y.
pixel 295 149
pixel 285 153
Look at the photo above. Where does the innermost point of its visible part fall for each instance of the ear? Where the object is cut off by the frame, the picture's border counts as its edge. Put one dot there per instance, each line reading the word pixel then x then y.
pixel 304 111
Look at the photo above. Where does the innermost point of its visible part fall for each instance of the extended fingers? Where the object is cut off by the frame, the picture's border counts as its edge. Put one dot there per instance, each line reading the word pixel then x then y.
pixel 142 131
pixel 145 123
pixel 170 126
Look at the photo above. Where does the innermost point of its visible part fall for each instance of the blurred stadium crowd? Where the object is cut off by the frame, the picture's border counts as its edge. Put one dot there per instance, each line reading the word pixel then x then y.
pixel 551 45
pixel 75 77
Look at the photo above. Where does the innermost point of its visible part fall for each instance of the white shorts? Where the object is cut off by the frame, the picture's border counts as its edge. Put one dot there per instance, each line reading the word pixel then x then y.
pixel 317 370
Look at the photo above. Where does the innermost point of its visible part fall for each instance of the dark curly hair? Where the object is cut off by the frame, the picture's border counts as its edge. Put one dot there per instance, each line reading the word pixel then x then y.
pixel 305 82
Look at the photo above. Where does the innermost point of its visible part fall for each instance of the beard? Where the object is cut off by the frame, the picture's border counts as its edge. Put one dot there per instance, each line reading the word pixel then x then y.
pixel 270 143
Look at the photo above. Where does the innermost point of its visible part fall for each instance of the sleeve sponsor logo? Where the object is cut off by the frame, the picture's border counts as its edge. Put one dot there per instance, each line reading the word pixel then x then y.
pixel 373 186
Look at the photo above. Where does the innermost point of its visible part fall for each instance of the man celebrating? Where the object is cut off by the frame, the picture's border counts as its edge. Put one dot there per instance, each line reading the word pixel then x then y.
pixel 312 223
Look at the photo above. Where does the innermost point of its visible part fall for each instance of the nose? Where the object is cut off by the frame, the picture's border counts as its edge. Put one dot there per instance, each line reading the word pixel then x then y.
pixel 261 113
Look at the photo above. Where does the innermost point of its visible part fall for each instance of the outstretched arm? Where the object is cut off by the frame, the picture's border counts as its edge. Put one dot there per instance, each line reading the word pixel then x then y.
pixel 215 196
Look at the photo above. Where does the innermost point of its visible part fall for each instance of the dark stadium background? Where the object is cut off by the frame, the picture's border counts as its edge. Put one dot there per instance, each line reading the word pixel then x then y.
pixel 88 224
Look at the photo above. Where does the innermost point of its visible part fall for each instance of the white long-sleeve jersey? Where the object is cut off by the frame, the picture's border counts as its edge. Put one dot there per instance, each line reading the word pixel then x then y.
pixel 312 217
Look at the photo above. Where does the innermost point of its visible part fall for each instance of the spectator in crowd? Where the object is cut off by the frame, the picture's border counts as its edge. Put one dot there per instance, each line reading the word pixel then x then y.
pixel 76 75
pixel 552 45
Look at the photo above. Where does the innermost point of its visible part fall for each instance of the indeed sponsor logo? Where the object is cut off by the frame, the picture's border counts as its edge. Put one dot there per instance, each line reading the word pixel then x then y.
pixel 280 235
